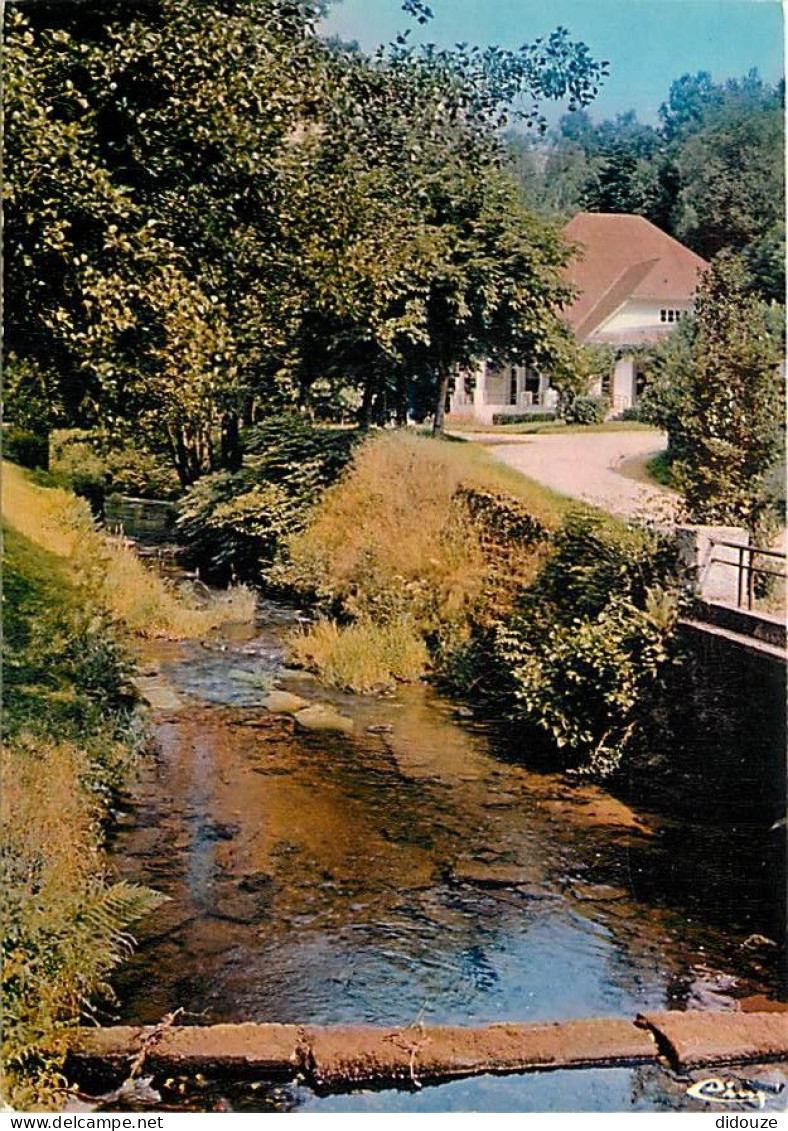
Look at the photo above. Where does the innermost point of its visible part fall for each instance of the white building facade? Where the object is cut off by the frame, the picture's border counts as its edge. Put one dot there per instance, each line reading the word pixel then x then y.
pixel 633 284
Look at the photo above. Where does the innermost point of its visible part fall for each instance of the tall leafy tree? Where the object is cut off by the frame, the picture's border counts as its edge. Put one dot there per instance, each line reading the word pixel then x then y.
pixel 730 162
pixel 721 399
pixel 210 210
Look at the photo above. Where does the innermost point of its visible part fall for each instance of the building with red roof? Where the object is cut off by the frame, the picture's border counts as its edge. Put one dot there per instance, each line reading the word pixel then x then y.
pixel 633 283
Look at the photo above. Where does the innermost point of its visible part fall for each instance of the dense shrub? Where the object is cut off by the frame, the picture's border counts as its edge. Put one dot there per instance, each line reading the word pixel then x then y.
pixel 76 462
pixel 233 522
pixel 714 385
pixel 140 474
pixel 26 448
pixel 586 410
pixel 634 413
pixel 524 417
pixel 581 655
pixel 83 462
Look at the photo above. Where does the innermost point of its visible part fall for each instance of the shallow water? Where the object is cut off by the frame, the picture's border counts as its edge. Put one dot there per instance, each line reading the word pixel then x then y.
pixel 411 871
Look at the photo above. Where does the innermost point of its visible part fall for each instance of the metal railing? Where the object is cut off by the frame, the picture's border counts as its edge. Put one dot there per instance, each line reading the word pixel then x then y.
pixel 747 568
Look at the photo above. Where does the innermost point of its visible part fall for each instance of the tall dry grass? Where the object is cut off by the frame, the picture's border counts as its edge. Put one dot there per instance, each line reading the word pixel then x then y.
pixel 389 539
pixel 107 569
pixel 392 544
pixel 363 657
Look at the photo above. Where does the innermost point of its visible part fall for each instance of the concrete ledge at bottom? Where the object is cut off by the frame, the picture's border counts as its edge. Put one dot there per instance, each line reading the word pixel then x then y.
pixel 231 1048
pixel 697 1038
pixel 361 1054
pixel 340 1058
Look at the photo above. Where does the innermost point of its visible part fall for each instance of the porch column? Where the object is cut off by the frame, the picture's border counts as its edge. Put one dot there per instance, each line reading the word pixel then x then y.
pixel 479 385
pixel 623 390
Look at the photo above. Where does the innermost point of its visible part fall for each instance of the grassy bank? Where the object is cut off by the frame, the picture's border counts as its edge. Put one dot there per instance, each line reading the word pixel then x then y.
pixel 106 570
pixel 73 600
pixel 429 556
pixel 403 555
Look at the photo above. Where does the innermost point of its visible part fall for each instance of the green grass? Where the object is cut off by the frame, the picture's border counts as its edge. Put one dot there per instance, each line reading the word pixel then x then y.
pixel 658 468
pixel 63 671
pixel 115 578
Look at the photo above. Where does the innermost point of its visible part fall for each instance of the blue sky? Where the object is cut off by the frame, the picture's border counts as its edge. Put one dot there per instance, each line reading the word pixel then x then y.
pixel 648 42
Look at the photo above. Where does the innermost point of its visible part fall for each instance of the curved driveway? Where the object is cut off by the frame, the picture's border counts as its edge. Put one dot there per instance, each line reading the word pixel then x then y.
pixel 588 467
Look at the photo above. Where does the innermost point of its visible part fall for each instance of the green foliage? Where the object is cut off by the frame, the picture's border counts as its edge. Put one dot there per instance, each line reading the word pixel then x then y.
pixel 711 173
pixel 28 449
pixel 524 417
pixel 586 410
pixel 659 468
pixel 210 210
pixel 714 384
pixel 64 924
pixel 139 474
pixel 582 654
pixel 67 747
pixel 76 463
pixel 233 524
pixel 63 669
pixel 634 413
pixel 83 461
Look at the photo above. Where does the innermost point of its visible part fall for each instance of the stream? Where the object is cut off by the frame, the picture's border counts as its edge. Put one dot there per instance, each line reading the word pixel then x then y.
pixel 410 870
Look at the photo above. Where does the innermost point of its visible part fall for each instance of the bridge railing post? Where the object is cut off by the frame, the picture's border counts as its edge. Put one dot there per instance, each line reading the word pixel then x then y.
pixel 715 572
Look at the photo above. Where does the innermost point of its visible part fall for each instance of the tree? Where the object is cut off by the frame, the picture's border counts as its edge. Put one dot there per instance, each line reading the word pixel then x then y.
pixel 148 153
pixel 732 183
pixel 211 211
pixel 725 413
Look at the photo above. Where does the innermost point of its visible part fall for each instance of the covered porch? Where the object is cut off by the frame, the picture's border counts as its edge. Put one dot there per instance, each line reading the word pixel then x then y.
pixel 508 390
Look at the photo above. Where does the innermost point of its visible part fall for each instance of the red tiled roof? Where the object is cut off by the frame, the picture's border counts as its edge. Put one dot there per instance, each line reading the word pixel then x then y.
pixel 625 257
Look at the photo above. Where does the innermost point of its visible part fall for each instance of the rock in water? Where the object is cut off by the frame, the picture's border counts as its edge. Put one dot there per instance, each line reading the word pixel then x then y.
pixel 284 703
pixel 323 717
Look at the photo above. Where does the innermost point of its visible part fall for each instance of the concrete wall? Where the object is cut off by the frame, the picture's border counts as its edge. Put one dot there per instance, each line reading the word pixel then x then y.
pixel 710 567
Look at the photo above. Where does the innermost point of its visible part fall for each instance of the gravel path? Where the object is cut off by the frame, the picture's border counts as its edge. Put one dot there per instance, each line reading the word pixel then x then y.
pixel 588 467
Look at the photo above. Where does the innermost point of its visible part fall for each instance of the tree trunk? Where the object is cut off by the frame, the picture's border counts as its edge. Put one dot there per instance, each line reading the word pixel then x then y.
pixel 402 401
pixel 444 373
pixel 231 443
pixel 182 459
pixel 365 413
